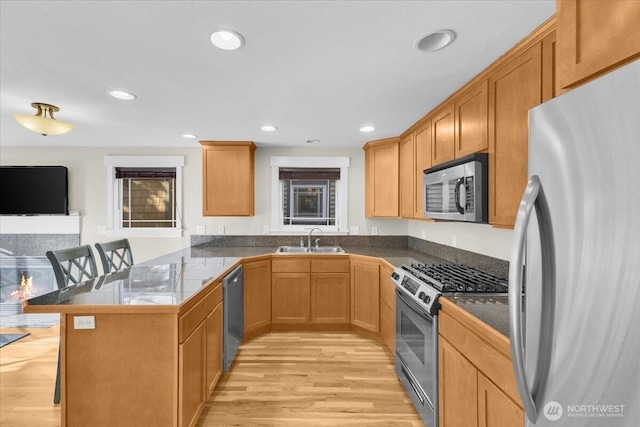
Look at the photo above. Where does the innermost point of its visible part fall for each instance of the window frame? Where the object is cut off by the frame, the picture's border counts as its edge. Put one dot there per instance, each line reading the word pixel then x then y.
pixel 342 192
pixel 114 227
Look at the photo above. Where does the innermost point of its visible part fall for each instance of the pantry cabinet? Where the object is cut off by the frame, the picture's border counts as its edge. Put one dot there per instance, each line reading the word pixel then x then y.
pixel 474 373
pixel 365 293
pixel 256 295
pixel 381 178
pixel 227 178
pixel 595 36
pixel 407 176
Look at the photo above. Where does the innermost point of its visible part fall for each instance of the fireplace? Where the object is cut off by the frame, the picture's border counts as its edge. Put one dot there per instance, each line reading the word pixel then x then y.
pixel 23 277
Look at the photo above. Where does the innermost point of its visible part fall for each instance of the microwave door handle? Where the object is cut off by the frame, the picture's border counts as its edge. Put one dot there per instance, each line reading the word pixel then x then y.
pixel 533 197
pixel 459 184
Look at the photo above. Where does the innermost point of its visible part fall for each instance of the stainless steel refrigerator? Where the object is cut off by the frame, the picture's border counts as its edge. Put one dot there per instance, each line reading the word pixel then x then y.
pixel 576 348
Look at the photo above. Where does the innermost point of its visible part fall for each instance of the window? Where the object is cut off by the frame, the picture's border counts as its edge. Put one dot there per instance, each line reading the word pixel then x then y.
pixel 309 192
pixel 144 195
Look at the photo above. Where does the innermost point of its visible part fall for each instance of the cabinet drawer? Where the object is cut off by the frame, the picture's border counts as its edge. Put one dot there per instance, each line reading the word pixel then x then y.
pixel 191 319
pixel 290 265
pixel 212 299
pixel 330 265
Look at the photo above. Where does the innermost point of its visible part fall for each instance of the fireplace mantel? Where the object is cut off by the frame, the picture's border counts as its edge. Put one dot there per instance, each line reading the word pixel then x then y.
pixel 40 224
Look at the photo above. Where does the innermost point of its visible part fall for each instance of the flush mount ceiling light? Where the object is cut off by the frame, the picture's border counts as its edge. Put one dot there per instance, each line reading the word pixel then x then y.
pixel 435 41
pixel 189 136
pixel 312 141
pixel 121 94
pixel 367 129
pixel 43 122
pixel 226 39
pixel 268 128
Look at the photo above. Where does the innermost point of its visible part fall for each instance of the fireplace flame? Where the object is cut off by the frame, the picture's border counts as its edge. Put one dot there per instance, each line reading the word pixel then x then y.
pixel 26 288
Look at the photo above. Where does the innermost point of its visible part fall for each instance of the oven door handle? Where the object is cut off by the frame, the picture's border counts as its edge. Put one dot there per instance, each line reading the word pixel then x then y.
pixel 414 307
pixel 533 197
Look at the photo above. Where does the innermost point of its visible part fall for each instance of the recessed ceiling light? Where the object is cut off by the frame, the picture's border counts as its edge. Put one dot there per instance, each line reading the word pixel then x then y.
pixel 312 141
pixel 367 129
pixel 268 128
pixel 226 39
pixel 121 94
pixel 189 136
pixel 435 41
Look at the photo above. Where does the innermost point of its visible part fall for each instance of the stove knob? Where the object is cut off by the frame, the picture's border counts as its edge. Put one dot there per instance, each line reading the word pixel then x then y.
pixel 427 299
pixel 395 275
pixel 421 295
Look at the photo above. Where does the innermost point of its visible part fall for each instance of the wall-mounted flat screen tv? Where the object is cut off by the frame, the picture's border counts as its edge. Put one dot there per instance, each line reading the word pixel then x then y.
pixel 33 190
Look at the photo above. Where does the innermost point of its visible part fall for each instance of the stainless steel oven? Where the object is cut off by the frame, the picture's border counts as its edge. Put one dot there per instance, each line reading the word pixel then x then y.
pixel 417 356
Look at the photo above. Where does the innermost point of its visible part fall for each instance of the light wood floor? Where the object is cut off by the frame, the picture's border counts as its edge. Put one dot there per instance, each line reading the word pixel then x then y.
pixel 279 379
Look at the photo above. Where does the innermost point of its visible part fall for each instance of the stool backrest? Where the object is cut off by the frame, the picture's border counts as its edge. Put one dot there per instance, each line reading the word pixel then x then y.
pixel 115 255
pixel 72 266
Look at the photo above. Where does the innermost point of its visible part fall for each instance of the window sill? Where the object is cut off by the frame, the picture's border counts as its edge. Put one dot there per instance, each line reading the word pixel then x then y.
pixel 145 232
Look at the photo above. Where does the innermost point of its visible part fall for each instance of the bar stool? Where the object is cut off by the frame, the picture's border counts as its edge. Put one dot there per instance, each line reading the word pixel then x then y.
pixel 115 255
pixel 70 267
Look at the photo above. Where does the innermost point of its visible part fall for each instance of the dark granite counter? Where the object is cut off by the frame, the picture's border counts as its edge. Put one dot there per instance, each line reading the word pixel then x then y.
pixel 494 311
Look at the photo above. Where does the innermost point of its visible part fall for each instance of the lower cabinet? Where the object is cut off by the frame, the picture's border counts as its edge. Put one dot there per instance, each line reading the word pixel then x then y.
pixel 257 296
pixel 330 298
pixel 365 293
pixel 199 355
pixel 476 381
pixel 290 298
pixel 387 307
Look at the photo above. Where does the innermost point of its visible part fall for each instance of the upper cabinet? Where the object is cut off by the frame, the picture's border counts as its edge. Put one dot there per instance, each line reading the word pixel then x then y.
pixel 407 176
pixel 422 151
pixel 443 128
pixel 595 36
pixel 381 178
pixel 227 178
pixel 471 116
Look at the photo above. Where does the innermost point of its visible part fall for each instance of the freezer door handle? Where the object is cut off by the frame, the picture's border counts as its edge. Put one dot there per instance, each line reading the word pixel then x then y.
pixel 533 197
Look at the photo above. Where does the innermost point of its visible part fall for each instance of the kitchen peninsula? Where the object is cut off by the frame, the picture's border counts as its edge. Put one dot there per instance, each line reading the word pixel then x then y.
pixel 154 353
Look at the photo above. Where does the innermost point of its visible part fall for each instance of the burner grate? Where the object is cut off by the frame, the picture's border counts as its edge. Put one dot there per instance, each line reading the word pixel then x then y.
pixel 459 278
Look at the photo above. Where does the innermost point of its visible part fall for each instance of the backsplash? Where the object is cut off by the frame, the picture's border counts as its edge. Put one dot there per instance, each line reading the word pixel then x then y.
pixel 36 244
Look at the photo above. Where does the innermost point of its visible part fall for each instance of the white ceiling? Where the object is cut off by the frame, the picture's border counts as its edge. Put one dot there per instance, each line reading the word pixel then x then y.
pixel 315 69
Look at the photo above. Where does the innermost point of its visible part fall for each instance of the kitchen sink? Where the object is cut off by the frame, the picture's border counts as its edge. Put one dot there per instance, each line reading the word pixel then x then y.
pixel 319 249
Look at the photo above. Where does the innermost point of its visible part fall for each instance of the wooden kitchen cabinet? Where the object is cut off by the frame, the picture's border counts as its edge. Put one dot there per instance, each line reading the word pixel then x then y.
pixel 330 291
pixel 550 85
pixel 407 176
pixel 443 139
pixel 595 36
pixel 365 293
pixel 290 290
pixel 475 373
pixel 257 296
pixel 422 162
pixel 381 178
pixel 471 119
pixel 192 394
pixel 387 307
pixel 227 178
pixel 513 90
pixel 214 347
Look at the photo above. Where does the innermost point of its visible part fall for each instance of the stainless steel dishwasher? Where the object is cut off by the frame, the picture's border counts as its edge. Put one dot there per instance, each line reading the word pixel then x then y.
pixel 233 315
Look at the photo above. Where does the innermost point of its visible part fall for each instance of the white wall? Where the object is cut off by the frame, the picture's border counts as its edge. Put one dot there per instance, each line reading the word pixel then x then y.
pixel 87 194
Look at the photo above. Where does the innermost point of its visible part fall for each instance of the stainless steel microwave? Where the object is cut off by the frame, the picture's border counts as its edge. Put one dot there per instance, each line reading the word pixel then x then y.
pixel 458 190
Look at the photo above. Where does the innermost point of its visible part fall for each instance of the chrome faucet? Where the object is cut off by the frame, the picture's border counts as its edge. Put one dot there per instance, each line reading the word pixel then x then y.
pixel 309 237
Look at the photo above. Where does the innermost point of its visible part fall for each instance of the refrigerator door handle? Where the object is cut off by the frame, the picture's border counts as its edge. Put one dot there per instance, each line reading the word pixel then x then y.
pixel 532 397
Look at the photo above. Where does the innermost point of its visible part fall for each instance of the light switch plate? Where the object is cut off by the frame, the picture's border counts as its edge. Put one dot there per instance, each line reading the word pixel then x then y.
pixel 374 231
pixel 201 229
pixel 84 322
pixel 221 229
pixel 265 229
pixel 354 231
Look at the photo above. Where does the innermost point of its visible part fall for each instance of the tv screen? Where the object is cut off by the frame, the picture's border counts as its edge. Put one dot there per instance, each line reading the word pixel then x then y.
pixel 33 190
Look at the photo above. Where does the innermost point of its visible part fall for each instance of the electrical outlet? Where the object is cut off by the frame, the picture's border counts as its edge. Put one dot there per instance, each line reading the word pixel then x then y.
pixel 201 229
pixel 102 229
pixel 454 241
pixel 374 231
pixel 424 234
pixel 354 231
pixel 265 229
pixel 84 322
pixel 221 229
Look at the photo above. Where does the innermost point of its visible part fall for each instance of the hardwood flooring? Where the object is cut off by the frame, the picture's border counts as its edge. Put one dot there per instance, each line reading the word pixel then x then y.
pixel 278 379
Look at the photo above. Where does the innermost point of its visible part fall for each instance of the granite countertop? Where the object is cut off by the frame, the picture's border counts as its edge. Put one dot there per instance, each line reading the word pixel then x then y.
pixel 494 311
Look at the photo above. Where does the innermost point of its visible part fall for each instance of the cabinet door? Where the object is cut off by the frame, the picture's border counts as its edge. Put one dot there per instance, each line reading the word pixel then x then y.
pixel 471 121
pixel 381 181
pixel 407 176
pixel 458 389
pixel 365 294
pixel 330 298
pixel 513 90
pixel 257 296
pixel 422 162
pixel 550 86
pixel 495 408
pixel 290 298
pixel 228 179
pixel 594 36
pixel 192 388
pixel 443 136
pixel 387 308
pixel 214 348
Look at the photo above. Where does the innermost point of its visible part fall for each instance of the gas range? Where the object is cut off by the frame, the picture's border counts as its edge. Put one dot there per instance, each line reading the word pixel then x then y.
pixel 425 283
